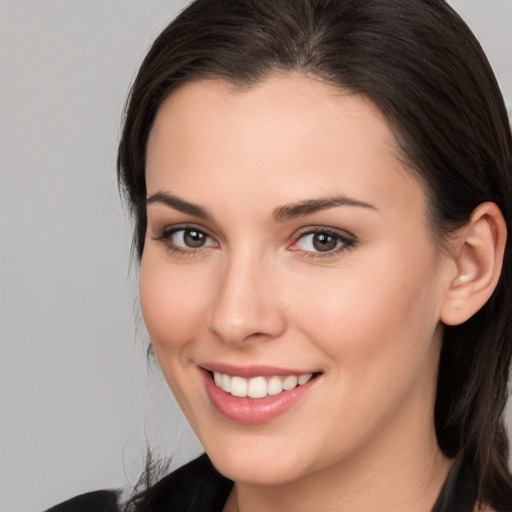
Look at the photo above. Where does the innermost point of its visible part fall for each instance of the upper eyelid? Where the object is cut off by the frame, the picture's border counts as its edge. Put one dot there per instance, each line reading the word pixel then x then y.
pixel 343 233
pixel 168 230
pixel 161 224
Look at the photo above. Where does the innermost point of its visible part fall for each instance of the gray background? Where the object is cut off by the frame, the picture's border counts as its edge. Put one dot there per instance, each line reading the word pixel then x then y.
pixel 77 399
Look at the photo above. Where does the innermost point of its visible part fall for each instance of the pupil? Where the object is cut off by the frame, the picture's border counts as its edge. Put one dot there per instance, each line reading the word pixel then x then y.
pixel 194 238
pixel 323 242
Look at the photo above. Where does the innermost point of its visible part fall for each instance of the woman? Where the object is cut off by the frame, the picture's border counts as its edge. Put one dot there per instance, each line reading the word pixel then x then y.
pixel 321 193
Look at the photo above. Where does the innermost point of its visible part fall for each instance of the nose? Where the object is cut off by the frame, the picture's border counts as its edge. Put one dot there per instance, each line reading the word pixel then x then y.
pixel 246 306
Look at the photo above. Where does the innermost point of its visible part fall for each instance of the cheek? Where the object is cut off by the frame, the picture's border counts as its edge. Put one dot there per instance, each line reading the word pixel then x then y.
pixel 173 303
pixel 377 330
pixel 376 314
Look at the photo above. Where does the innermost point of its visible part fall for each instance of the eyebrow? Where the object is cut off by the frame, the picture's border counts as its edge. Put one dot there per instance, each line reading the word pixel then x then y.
pixel 310 206
pixel 281 213
pixel 179 204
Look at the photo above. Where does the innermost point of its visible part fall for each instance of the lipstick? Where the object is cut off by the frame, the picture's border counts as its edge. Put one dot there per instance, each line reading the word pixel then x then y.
pixel 274 391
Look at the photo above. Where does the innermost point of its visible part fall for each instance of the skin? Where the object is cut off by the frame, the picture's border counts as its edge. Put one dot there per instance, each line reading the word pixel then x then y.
pixel 367 316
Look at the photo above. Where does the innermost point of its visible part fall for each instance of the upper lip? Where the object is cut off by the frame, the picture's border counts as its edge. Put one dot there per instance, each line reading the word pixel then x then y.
pixel 252 370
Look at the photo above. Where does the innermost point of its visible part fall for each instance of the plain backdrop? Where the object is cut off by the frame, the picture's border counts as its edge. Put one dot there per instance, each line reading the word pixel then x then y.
pixel 79 403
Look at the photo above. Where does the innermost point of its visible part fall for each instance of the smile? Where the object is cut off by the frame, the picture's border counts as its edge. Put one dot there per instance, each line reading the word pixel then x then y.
pixel 255 395
pixel 258 387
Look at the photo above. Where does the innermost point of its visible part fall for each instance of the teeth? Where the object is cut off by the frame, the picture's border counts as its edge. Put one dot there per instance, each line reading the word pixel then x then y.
pixel 274 386
pixel 258 387
pixel 225 383
pixel 238 386
pixel 290 382
pixel 304 378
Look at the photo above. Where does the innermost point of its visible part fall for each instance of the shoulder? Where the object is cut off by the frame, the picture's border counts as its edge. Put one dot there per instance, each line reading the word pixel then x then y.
pixel 194 487
pixel 98 501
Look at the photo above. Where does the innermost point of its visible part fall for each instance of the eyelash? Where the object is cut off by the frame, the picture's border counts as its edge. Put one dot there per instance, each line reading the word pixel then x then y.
pixel 166 235
pixel 343 242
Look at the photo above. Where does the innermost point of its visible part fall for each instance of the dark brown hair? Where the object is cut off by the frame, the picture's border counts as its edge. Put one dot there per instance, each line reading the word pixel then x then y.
pixel 421 65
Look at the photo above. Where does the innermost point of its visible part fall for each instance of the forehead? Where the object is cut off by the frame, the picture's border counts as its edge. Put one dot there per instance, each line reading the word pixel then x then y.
pixel 283 138
pixel 280 99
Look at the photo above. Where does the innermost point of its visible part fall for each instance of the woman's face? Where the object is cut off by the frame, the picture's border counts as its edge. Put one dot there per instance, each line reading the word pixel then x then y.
pixel 285 242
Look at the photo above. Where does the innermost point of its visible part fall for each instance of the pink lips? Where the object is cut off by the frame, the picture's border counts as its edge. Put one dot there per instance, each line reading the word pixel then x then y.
pixel 252 411
pixel 252 371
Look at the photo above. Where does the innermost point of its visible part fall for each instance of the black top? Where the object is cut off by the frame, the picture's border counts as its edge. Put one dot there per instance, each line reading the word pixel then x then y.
pixel 199 487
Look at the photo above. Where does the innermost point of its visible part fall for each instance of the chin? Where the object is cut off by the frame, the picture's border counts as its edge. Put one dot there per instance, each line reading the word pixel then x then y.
pixel 252 465
pixel 255 472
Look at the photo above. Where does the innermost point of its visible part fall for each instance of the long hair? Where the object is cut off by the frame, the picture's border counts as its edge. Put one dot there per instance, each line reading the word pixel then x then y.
pixel 419 63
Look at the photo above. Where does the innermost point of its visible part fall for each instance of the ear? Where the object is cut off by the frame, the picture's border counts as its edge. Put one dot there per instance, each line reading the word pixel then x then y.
pixel 477 251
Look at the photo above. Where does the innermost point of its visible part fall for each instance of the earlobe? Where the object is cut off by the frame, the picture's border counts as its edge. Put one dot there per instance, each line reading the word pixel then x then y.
pixel 478 254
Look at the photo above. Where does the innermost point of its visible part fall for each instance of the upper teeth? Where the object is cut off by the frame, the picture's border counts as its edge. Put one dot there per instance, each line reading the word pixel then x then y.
pixel 258 387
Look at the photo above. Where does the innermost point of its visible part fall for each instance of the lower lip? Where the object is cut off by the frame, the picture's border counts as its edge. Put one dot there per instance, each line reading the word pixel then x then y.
pixel 253 411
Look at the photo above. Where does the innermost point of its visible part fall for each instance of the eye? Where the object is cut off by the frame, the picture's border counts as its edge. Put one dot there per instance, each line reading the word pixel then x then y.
pixel 186 239
pixel 189 238
pixel 322 242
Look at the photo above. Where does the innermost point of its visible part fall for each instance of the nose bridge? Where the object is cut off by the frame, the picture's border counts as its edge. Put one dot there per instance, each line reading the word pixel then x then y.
pixel 246 305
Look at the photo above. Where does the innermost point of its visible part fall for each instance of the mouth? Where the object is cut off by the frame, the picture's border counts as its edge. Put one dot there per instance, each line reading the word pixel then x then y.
pixel 260 386
pixel 257 397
